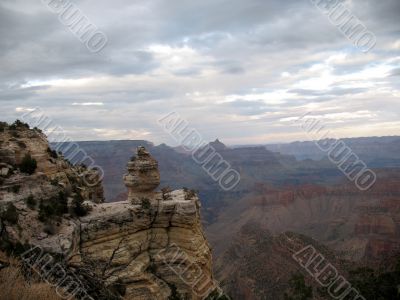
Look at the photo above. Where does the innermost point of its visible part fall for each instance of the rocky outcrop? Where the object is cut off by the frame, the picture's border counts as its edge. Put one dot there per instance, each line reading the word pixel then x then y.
pixel 152 243
pixel 18 141
pixel 148 249
pixel 150 246
pixel 143 176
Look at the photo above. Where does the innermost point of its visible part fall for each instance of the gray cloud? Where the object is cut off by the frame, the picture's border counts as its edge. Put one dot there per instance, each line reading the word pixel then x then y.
pixel 332 92
pixel 244 64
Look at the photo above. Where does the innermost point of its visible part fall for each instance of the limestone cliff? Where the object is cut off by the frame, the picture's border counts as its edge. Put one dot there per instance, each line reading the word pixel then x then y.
pixel 151 246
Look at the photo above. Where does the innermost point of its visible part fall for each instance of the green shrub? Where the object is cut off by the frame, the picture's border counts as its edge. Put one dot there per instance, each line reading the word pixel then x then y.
pixel 78 208
pixel 28 164
pixel 46 211
pixel 174 293
pixel 52 153
pixel 145 203
pixel 18 124
pixel 3 126
pixel 13 249
pixel 16 189
pixel 53 207
pixel 37 129
pixel 10 214
pixel 30 202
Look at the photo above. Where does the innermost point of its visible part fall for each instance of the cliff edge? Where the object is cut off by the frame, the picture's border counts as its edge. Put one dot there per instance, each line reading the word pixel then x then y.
pixel 151 246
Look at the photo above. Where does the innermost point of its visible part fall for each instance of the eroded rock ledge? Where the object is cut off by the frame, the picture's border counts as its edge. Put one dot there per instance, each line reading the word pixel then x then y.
pixel 148 249
pixel 151 246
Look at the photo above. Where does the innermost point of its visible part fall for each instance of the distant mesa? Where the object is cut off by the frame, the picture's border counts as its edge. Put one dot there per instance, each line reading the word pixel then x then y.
pixel 217 145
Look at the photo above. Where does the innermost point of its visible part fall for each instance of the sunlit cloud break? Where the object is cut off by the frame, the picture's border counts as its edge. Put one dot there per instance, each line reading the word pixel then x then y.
pixel 88 103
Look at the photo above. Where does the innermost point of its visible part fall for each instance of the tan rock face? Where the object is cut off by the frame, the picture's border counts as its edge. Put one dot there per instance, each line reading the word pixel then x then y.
pixel 143 176
pixel 15 144
pixel 149 250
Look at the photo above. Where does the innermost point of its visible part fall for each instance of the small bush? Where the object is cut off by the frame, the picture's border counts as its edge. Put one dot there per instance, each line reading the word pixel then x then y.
pixel 37 129
pixel 189 194
pixel 145 203
pixel 174 293
pixel 49 228
pixel 3 126
pixel 46 211
pixel 30 202
pixel 166 193
pixel 52 153
pixel 16 189
pixel 28 164
pixel 78 208
pixel 54 207
pixel 10 215
pixel 18 124
pixel 21 144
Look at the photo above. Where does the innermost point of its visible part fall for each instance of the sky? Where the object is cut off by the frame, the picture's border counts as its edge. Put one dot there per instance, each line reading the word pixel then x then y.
pixel 238 70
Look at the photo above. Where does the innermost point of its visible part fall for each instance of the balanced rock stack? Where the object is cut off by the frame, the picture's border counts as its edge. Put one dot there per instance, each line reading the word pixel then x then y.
pixel 143 177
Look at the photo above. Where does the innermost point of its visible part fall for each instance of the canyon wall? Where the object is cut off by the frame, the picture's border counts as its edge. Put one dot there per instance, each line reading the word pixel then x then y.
pixel 150 246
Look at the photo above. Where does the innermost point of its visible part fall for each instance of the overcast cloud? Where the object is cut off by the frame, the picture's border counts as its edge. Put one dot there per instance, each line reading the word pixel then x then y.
pixel 239 70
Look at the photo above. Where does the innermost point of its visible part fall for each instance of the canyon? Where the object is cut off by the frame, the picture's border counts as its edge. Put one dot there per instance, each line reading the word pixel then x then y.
pixel 281 192
pixel 139 232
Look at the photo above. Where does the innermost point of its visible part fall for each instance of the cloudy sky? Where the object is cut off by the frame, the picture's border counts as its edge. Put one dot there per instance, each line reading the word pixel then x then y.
pixel 240 70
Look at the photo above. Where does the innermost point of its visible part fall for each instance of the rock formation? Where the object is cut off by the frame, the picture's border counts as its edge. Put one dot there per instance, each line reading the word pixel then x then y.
pixel 151 246
pixel 52 174
pixel 143 176
pixel 149 249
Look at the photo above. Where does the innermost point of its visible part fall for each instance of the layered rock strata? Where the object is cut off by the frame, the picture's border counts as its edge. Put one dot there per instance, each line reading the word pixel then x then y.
pixel 143 176
pixel 151 246
pixel 16 143
pixel 149 250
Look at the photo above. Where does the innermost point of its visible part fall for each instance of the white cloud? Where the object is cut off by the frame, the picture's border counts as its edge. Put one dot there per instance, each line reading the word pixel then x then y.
pixel 24 109
pixel 88 104
pixel 240 72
